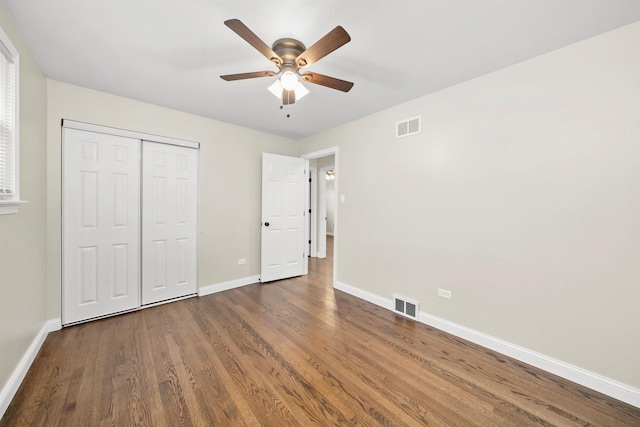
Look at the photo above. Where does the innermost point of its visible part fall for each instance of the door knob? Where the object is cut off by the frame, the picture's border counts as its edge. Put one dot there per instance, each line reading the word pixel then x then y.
pixel 266 224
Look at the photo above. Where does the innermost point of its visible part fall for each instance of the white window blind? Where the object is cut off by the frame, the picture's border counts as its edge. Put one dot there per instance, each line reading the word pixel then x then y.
pixel 7 124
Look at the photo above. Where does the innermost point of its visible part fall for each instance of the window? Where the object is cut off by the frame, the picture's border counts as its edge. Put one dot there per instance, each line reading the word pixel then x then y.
pixel 9 194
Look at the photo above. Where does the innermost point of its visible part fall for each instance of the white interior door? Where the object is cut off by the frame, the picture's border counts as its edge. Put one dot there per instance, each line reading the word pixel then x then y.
pixel 284 184
pixel 101 225
pixel 169 221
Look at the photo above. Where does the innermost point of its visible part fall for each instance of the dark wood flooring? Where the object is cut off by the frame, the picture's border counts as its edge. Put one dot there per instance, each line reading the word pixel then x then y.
pixel 294 352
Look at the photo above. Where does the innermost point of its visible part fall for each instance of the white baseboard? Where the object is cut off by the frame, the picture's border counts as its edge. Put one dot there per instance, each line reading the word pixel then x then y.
pixel 365 295
pixel 54 324
pixel 600 383
pixel 329 234
pixel 225 286
pixel 13 383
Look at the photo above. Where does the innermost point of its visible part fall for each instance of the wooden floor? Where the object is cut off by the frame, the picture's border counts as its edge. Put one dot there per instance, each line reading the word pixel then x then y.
pixel 295 352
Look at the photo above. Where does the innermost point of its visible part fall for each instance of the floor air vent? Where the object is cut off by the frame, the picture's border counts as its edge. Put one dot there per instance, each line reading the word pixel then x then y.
pixel 408 127
pixel 405 306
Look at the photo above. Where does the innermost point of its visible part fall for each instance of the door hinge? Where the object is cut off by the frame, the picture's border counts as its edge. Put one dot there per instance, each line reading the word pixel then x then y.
pixel 309 210
pixel 309 241
pixel 309 179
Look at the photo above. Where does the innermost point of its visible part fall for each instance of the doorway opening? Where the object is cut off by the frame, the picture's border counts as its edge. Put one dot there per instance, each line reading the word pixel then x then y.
pixel 323 223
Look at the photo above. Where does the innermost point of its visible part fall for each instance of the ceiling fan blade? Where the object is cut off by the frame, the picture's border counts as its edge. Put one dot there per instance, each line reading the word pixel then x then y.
pixel 330 42
pixel 243 31
pixel 327 81
pixel 242 76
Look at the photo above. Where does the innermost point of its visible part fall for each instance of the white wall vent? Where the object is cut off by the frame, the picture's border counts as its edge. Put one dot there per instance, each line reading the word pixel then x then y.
pixel 409 127
pixel 406 306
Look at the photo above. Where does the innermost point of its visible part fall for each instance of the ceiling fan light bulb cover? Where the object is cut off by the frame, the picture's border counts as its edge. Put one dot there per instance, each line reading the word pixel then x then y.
pixel 289 80
pixel 300 91
pixel 276 89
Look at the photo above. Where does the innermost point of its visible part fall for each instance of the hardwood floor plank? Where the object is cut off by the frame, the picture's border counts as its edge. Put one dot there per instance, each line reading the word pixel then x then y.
pixel 294 352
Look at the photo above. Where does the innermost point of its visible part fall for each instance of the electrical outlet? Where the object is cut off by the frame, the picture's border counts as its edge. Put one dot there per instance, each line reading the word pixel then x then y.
pixel 242 261
pixel 444 293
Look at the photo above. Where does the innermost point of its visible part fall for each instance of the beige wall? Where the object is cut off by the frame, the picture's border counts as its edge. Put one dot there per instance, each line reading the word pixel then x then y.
pixel 521 196
pixel 230 178
pixel 22 235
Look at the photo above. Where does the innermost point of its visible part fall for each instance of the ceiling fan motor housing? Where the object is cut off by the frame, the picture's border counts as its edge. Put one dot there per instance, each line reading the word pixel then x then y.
pixel 288 49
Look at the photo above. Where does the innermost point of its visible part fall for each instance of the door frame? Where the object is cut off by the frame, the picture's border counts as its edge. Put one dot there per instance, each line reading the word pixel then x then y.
pixel 316 155
pixel 313 217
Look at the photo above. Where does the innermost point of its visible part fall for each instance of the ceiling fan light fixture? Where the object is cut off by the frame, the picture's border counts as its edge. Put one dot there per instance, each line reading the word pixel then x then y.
pixel 291 55
pixel 289 80
pixel 277 89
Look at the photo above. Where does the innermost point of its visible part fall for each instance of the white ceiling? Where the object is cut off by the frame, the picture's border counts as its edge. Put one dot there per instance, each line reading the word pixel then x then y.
pixel 172 52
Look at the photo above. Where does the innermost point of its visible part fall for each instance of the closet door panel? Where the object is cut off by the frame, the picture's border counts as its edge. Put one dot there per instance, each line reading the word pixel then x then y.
pixel 101 226
pixel 169 221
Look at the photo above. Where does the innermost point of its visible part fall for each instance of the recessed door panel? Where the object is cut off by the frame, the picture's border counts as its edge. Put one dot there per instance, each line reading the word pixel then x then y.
pixel 182 162
pixel 88 282
pixel 182 201
pixel 120 188
pixel 120 154
pixel 159 264
pixel 169 215
pixel 88 199
pixel 183 261
pixel 120 270
pixel 293 237
pixel 275 201
pixel 293 200
pixel 159 204
pixel 89 150
pixel 101 231
pixel 274 243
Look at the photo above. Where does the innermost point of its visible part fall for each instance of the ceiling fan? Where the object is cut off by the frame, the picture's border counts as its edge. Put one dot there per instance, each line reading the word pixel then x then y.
pixel 290 56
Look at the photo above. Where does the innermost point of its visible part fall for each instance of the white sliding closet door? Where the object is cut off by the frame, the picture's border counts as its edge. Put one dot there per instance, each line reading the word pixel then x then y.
pixel 169 221
pixel 101 224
